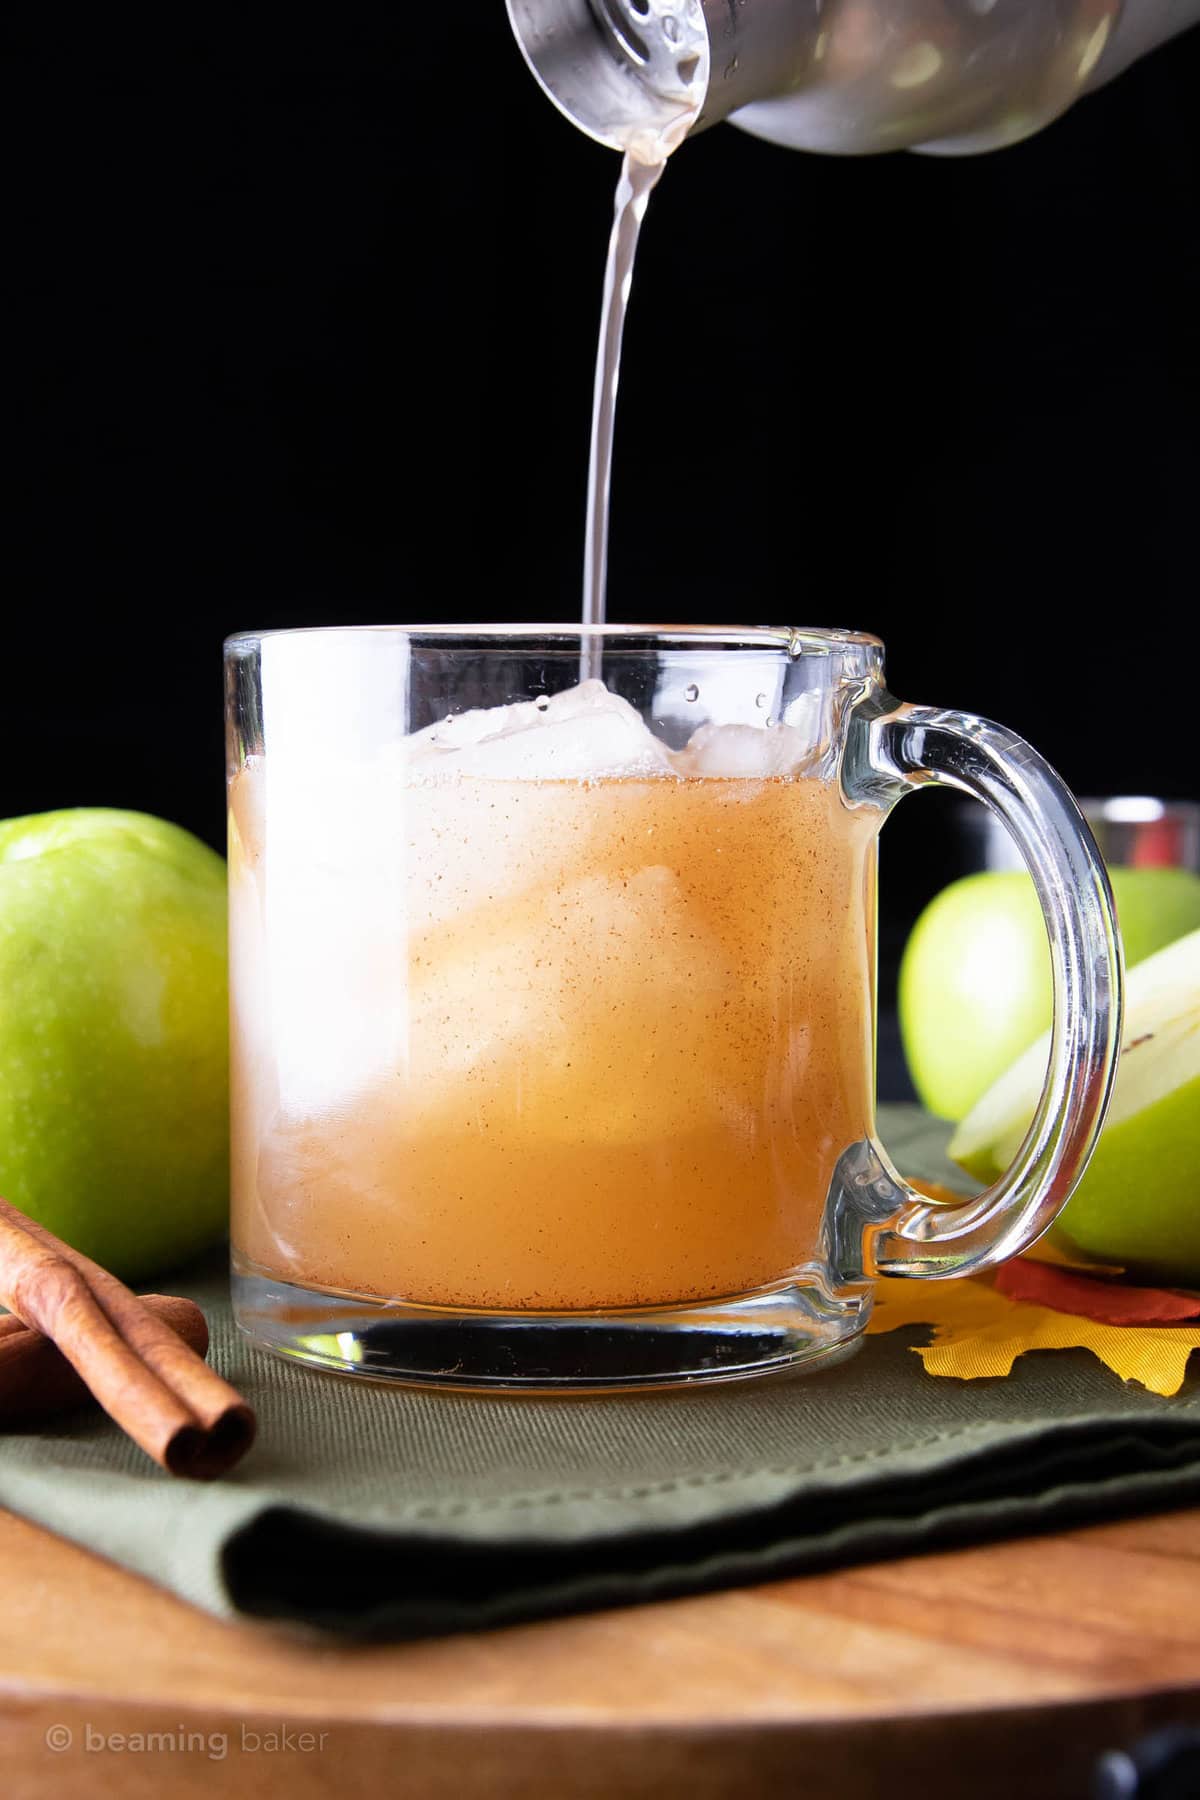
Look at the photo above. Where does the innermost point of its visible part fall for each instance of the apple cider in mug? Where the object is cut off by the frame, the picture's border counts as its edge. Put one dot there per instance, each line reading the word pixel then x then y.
pixel 533 1013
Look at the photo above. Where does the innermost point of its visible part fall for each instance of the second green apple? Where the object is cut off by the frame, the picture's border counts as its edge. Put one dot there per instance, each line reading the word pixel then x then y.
pixel 975 976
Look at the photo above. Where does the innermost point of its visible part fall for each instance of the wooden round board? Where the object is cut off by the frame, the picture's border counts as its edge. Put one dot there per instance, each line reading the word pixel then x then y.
pixel 994 1671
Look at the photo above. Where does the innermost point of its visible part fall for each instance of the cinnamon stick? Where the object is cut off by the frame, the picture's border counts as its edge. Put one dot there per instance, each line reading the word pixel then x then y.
pixel 36 1380
pixel 140 1370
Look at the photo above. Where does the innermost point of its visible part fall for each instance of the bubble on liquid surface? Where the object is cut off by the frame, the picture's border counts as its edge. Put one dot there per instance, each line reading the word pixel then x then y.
pixel 760 700
pixel 691 691
pixel 542 703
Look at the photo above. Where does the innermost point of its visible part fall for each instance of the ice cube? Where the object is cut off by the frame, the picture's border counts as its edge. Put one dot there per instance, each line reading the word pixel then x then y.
pixel 793 746
pixel 746 752
pixel 574 1013
pixel 583 733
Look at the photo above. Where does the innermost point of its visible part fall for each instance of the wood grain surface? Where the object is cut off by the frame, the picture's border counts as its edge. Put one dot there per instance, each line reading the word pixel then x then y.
pixel 994 1671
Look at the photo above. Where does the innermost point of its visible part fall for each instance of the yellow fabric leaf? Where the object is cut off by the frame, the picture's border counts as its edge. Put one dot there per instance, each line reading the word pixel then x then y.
pixel 978 1332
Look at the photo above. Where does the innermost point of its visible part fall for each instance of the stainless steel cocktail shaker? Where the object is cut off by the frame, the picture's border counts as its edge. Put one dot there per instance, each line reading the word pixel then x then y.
pixel 950 76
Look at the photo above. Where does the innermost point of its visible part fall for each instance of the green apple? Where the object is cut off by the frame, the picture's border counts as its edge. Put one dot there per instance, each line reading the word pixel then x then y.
pixel 1137 1202
pixel 113 1035
pixel 975 976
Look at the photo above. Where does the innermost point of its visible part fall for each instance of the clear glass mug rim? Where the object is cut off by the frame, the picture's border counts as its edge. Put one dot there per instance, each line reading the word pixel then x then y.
pixel 791 641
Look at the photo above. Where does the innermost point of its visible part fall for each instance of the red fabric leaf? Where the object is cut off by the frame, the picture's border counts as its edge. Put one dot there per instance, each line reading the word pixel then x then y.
pixel 1108 1302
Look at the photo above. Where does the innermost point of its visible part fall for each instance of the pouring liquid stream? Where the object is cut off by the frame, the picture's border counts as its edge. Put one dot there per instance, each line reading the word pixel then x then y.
pixel 635 184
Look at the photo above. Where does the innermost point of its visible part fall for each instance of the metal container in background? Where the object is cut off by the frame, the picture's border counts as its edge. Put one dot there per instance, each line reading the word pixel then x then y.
pixel 1134 831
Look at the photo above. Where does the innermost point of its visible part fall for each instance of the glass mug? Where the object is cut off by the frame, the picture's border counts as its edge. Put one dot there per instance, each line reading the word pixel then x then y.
pixel 553 994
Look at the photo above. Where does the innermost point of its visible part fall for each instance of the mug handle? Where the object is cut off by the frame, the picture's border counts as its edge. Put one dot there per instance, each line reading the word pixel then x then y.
pixel 875 1220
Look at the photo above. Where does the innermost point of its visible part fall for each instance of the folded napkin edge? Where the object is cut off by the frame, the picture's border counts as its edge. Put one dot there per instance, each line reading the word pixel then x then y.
pixel 428 1604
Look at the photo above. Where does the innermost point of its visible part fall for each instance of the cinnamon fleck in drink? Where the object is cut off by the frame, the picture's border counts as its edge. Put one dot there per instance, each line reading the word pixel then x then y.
pixel 533 1014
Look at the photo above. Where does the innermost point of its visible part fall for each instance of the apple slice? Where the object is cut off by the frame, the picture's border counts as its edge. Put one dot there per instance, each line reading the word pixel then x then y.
pixel 975 975
pixel 1139 1200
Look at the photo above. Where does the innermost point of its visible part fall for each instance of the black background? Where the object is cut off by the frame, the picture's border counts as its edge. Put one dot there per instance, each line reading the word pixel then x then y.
pixel 306 314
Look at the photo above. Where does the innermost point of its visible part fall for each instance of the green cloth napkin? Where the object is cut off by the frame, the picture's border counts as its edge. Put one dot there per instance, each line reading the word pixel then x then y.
pixel 389 1512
